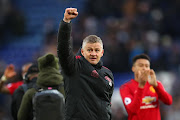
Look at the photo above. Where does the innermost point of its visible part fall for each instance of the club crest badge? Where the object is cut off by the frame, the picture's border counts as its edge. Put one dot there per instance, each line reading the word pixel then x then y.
pixel 152 89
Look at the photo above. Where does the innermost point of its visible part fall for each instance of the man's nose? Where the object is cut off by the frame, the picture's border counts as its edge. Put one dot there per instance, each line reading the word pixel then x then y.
pixel 144 68
pixel 93 53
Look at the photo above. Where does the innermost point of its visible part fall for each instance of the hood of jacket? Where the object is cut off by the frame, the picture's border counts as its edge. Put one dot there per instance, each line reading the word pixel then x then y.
pixel 49 73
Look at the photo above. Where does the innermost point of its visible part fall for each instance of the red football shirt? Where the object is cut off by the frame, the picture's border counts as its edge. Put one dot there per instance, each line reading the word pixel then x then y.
pixel 13 86
pixel 143 104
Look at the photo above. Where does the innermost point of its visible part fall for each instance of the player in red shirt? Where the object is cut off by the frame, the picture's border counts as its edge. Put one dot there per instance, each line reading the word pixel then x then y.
pixel 141 95
pixel 9 73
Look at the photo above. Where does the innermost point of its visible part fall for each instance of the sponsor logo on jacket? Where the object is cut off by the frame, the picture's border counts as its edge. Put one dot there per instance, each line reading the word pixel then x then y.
pixel 109 80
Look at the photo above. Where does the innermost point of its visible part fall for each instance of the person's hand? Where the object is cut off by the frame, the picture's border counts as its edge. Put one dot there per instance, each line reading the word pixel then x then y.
pixel 143 77
pixel 152 81
pixel 9 71
pixel 70 13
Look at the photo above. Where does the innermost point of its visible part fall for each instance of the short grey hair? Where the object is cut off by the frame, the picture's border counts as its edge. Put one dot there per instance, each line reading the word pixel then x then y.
pixel 92 39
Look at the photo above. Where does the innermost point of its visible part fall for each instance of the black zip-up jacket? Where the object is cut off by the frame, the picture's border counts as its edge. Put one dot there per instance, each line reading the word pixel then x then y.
pixel 18 96
pixel 88 88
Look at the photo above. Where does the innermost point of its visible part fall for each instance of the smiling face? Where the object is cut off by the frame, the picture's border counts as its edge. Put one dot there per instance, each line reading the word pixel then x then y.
pixel 92 52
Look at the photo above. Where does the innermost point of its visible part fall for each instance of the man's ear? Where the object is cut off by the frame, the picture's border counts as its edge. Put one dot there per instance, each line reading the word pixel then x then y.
pixel 82 52
pixel 102 52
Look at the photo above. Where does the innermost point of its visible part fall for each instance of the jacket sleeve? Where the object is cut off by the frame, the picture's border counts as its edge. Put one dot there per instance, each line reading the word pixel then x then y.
pixel 64 48
pixel 26 107
pixel 165 97
pixel 131 102
pixel 16 101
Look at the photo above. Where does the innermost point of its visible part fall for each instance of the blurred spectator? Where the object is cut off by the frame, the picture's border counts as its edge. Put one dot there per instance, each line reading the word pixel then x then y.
pixel 29 82
pixel 12 22
pixel 9 73
pixel 50 45
pixel 48 26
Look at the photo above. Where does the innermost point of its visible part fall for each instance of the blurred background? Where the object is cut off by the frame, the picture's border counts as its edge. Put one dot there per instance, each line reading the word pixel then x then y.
pixel 28 29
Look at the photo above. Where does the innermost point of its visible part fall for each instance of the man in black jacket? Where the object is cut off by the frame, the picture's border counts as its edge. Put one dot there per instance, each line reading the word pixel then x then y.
pixel 29 82
pixel 88 85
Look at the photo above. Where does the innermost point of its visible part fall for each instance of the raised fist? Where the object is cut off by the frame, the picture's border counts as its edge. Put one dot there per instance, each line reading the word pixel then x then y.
pixel 70 13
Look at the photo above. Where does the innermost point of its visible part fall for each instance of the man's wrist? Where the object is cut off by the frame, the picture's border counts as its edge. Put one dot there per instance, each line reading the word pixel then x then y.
pixel 66 20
